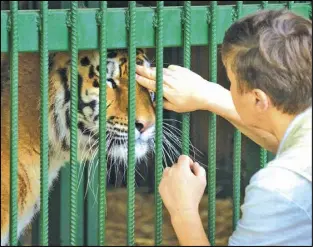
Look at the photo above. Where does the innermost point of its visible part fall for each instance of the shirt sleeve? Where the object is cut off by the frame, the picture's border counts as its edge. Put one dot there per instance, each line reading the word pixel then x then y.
pixel 270 219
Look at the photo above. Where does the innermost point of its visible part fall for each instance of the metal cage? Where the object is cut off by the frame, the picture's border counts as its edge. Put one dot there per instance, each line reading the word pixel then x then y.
pixel 66 27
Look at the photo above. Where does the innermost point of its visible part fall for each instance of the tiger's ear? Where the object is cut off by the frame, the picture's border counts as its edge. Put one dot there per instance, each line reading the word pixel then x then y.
pixel 144 50
pixel 51 58
pixel 141 50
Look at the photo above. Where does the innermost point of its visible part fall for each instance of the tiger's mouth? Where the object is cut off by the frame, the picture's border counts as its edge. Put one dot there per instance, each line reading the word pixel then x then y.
pixel 117 145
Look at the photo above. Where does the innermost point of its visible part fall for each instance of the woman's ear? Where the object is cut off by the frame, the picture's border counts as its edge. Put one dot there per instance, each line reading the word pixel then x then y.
pixel 262 101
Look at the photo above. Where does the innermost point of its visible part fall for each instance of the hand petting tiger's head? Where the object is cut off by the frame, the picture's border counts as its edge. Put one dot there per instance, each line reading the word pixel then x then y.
pixel 88 105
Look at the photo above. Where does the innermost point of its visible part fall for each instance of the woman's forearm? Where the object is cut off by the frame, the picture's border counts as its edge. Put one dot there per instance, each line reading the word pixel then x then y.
pixel 189 230
pixel 219 101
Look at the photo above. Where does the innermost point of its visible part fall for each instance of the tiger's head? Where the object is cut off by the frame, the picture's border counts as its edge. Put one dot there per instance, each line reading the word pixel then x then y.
pixel 88 105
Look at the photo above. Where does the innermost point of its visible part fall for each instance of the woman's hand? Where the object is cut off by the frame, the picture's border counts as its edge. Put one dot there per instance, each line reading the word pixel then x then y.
pixel 183 90
pixel 182 187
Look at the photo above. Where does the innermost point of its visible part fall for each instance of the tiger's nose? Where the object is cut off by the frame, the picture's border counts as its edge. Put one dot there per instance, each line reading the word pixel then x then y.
pixel 142 126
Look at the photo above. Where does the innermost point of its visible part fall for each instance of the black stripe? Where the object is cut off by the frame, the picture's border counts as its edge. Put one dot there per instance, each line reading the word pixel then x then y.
pixel 26 177
pixel 85 61
pixel 82 104
pixel 56 123
pixel 67 118
pixel 23 191
pixel 86 131
pixel 112 54
pixel 65 146
pixel 113 82
pixel 123 60
pixel 64 80
pixel 91 71
pixel 51 151
pixel 95 83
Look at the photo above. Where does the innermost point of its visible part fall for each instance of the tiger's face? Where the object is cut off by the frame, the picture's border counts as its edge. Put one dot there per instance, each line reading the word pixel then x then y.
pixel 88 105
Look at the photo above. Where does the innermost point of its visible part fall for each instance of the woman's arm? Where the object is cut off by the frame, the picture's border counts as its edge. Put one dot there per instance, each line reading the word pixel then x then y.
pixel 218 100
pixel 189 230
pixel 181 188
pixel 186 91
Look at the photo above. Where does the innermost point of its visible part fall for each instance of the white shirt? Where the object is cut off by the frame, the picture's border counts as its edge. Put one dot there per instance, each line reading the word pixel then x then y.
pixel 277 209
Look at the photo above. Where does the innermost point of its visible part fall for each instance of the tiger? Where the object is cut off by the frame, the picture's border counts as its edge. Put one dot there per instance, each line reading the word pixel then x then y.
pixel 59 121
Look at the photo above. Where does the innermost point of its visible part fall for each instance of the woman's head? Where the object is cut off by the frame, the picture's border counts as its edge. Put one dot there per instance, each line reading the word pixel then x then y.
pixel 269 56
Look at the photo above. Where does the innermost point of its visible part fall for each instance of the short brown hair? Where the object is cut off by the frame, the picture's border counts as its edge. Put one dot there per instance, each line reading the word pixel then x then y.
pixel 272 50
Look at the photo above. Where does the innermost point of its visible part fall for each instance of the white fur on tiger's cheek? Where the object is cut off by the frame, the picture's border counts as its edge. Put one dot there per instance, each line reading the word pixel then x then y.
pixel 109 84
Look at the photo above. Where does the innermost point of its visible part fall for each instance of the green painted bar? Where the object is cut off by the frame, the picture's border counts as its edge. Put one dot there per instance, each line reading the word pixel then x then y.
pixel 14 123
pixel 237 152
pixel 36 232
pixel 212 124
pixel 159 123
pixel 88 30
pixel 92 216
pixel 65 211
pixel 186 45
pixel 264 4
pixel 73 138
pixel 80 215
pixel 102 123
pixel 64 193
pixel 131 124
pixel 44 141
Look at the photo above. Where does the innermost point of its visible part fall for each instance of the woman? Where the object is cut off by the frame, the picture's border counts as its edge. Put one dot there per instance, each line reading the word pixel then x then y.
pixel 268 59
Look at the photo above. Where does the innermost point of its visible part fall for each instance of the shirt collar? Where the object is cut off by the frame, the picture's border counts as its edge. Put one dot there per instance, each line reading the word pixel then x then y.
pixel 293 128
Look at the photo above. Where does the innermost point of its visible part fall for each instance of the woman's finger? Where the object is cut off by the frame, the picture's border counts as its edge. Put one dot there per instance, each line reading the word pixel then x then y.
pixel 145 82
pixel 169 106
pixel 198 170
pixel 146 72
pixel 166 171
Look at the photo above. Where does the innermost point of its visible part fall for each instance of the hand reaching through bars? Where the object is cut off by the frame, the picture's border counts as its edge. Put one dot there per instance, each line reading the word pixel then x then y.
pixel 186 91
pixel 182 88
pixel 181 188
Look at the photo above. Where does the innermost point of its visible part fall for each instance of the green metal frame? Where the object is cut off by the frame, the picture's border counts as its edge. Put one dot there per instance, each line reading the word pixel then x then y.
pixel 59 36
pixel 71 30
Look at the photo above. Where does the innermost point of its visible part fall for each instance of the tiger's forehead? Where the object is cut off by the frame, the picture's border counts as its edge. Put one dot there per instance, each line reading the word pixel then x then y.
pixel 117 62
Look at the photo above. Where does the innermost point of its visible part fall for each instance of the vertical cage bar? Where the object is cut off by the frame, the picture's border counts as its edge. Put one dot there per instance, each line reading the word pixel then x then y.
pixel 102 123
pixel 263 152
pixel 44 142
pixel 159 123
pixel 212 124
pixel 131 125
pixel 264 4
pixel 186 116
pixel 14 124
pixel 73 138
pixel 237 154
pixel 290 4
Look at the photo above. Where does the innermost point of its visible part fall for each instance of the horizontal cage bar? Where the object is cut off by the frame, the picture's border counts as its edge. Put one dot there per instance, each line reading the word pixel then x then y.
pixel 116 26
